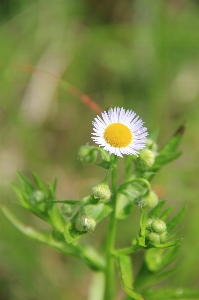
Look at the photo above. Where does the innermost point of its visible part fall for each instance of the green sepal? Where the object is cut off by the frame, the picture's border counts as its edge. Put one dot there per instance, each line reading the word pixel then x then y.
pixel 165 294
pixel 126 276
pixel 96 211
pixel 174 222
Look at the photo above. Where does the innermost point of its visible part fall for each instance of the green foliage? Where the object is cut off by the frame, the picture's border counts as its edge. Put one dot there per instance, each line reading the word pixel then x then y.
pixel 76 218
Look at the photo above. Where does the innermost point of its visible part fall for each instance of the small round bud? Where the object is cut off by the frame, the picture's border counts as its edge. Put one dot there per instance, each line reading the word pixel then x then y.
pixel 148 223
pixel 158 226
pixel 163 237
pixel 101 191
pixel 150 200
pixel 87 154
pixel 37 197
pixel 153 238
pixel 92 224
pixel 150 144
pixel 67 210
pixel 146 159
pixel 85 224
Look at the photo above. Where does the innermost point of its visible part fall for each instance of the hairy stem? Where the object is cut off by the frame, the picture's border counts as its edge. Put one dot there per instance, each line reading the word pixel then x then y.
pixel 110 244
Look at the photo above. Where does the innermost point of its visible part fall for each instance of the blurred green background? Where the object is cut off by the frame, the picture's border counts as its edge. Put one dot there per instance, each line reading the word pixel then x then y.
pixel 142 55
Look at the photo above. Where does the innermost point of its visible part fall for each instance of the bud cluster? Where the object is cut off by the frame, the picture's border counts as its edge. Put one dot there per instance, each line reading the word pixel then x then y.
pixel 156 231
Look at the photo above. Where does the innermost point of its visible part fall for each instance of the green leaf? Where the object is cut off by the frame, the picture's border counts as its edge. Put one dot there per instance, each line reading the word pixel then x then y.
pixel 104 164
pixel 143 221
pixel 87 253
pixel 128 193
pixel 174 141
pixel 134 189
pixel 39 182
pixel 124 207
pixel 157 259
pixel 126 276
pixel 96 211
pixel 146 278
pixel 174 222
pixel 162 159
pixel 165 213
pixel 154 213
pixel 27 186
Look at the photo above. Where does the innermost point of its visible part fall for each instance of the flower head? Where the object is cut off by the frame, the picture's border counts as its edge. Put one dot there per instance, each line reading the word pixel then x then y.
pixel 119 132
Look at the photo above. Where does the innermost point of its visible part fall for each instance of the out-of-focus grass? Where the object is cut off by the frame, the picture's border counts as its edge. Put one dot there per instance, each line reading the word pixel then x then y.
pixel 143 55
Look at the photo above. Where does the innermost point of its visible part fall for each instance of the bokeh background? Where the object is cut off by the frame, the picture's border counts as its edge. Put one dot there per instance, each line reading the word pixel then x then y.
pixel 142 55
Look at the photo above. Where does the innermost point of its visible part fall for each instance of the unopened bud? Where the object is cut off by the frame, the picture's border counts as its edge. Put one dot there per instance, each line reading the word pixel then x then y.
pixel 150 144
pixel 146 159
pixel 158 226
pixel 85 224
pixel 67 210
pixel 101 191
pixel 87 154
pixel 163 237
pixel 153 238
pixel 148 223
pixel 150 200
pixel 37 197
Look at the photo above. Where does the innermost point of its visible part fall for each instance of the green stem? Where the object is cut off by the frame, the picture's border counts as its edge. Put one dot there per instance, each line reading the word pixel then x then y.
pixel 109 271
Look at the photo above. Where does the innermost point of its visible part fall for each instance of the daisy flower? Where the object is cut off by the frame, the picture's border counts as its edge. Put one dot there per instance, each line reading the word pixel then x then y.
pixel 119 132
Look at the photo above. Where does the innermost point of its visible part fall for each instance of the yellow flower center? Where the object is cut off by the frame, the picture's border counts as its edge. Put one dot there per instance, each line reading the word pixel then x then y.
pixel 118 135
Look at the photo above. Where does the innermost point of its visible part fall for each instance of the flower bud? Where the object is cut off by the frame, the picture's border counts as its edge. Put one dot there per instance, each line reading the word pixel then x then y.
pixel 153 238
pixel 85 224
pixel 87 154
pixel 163 237
pixel 67 210
pixel 158 226
pixel 150 144
pixel 150 200
pixel 37 197
pixel 148 223
pixel 146 159
pixel 101 191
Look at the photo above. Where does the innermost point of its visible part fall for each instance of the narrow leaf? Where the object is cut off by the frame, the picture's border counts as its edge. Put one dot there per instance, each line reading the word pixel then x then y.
pixel 126 276
pixel 165 213
pixel 174 222
pixel 154 213
pixel 39 182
